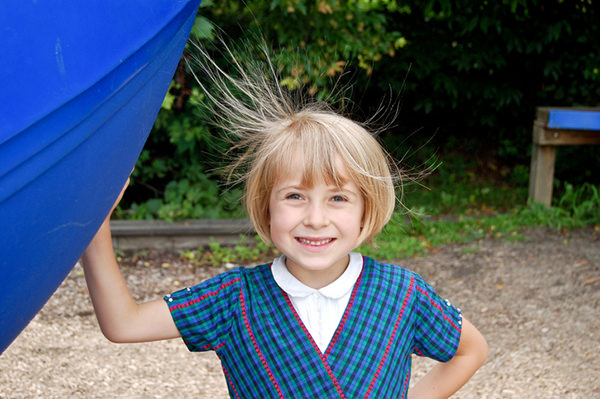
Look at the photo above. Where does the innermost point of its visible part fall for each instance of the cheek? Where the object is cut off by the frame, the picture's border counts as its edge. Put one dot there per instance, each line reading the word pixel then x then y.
pixel 278 218
pixel 271 209
pixel 350 220
pixel 359 213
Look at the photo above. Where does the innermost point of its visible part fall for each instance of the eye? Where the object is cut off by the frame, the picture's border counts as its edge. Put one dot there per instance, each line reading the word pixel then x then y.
pixel 293 196
pixel 338 198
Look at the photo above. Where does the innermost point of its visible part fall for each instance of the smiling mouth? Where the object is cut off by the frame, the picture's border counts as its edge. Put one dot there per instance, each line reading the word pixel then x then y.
pixel 314 243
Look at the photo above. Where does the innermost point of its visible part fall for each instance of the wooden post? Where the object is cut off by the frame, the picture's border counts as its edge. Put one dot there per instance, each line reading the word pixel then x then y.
pixel 541 176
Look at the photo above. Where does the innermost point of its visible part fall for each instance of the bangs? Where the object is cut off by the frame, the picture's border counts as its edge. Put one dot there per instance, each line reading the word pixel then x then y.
pixel 318 152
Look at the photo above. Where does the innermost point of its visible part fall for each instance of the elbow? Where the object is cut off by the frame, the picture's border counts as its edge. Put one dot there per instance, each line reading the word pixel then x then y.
pixel 473 344
pixel 115 335
pixel 480 349
pixel 115 339
pixel 112 336
pixel 483 351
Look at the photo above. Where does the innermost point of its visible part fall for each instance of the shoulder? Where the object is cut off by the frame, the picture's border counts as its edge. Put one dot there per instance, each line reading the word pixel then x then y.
pixel 241 275
pixel 389 277
pixel 255 272
pixel 389 274
pixel 387 271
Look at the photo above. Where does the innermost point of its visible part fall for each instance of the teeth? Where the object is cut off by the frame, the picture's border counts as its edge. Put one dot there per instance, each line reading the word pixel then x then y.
pixel 315 243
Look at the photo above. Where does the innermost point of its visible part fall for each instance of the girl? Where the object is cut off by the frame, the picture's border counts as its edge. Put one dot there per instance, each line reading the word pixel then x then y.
pixel 321 321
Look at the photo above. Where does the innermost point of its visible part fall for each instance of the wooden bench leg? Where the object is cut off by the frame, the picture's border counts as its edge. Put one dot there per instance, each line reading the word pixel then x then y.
pixel 541 175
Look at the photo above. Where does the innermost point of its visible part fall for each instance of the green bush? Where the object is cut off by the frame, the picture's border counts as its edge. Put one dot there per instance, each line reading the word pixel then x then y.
pixel 177 175
pixel 576 207
pixel 479 69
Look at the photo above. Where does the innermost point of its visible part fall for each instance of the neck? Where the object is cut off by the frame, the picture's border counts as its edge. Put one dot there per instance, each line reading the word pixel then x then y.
pixel 318 279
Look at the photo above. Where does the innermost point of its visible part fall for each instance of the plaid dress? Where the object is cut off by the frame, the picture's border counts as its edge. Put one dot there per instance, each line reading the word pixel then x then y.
pixel 267 352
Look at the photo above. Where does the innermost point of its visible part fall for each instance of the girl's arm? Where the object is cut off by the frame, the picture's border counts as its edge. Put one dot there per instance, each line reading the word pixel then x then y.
pixel 121 319
pixel 447 378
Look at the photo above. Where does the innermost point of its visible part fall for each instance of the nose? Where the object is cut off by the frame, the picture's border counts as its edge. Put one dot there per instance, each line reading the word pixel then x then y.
pixel 316 215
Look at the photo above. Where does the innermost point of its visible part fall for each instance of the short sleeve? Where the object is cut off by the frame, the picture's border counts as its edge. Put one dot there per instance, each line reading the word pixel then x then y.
pixel 204 313
pixel 438 324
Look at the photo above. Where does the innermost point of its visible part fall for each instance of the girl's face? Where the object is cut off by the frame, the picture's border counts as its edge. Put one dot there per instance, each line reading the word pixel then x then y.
pixel 315 227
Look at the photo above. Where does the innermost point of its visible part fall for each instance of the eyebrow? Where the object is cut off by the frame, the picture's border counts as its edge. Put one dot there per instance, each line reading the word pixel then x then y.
pixel 345 189
pixel 330 188
pixel 291 186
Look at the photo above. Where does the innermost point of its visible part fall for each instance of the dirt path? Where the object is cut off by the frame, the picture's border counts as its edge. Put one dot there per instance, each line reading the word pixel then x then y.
pixel 537 302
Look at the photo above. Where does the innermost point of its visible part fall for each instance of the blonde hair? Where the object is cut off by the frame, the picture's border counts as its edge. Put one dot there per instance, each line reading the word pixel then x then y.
pixel 268 126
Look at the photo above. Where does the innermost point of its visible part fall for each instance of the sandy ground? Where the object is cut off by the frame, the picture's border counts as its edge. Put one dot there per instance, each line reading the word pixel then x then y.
pixel 537 302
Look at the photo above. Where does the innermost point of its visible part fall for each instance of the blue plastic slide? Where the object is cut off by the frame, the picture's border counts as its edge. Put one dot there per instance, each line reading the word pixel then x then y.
pixel 81 83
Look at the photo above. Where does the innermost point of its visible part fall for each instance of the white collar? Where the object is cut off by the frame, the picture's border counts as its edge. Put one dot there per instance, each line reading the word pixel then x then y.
pixel 337 289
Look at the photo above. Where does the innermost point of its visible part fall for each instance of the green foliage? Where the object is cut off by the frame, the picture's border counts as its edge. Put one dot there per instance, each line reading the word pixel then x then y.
pixel 314 42
pixel 407 237
pixel 185 200
pixel 177 174
pixel 479 69
pixel 245 251
pixel 454 205
pixel 577 207
pixel 458 186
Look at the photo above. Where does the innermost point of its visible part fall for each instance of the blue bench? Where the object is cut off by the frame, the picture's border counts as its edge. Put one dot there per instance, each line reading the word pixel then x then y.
pixel 557 127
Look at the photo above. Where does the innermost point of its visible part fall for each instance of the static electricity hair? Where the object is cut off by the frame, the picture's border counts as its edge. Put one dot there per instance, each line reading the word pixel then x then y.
pixel 269 125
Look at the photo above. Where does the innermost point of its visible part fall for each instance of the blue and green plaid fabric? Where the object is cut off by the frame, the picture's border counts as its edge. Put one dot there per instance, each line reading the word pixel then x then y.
pixel 267 352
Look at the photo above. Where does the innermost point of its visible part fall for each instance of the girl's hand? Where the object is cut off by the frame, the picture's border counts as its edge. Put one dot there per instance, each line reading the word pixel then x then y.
pixel 119 197
pixel 103 233
pixel 106 224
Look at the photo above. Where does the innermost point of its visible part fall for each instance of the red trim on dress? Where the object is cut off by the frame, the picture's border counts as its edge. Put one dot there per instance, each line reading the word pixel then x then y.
pixel 338 331
pixel 389 344
pixel 256 348
pixel 230 381
pixel 406 382
pixel 417 351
